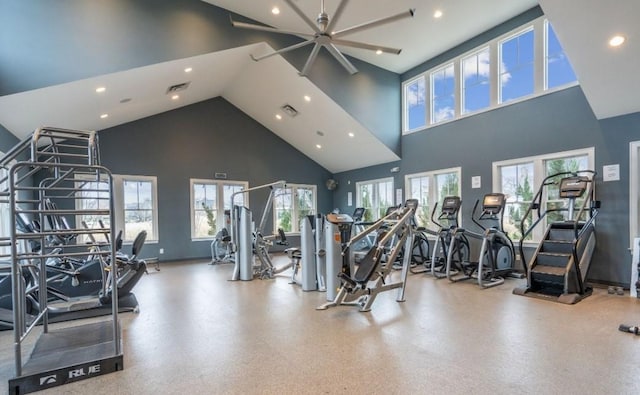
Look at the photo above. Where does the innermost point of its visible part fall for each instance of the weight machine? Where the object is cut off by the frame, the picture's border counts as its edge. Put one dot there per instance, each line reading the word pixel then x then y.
pixel 373 275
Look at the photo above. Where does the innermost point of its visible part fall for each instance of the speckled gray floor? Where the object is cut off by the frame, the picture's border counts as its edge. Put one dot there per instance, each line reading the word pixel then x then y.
pixel 198 333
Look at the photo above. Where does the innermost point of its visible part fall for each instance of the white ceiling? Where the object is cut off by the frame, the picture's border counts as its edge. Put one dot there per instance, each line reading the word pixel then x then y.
pixel 608 78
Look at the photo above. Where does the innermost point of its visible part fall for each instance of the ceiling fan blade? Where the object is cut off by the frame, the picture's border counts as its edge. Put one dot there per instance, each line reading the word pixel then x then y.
pixel 310 60
pixel 341 58
pixel 283 50
pixel 336 15
pixel 303 16
pixel 374 23
pixel 250 26
pixel 356 44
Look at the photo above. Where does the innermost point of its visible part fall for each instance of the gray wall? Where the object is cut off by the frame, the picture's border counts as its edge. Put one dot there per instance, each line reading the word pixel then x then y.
pixel 44 43
pixel 7 139
pixel 550 123
pixel 195 142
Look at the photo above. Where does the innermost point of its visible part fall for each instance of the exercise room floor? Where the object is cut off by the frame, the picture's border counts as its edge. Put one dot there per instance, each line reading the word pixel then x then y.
pixel 198 333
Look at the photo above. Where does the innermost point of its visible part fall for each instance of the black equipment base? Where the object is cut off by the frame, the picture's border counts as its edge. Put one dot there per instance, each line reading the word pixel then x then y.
pixel 68 355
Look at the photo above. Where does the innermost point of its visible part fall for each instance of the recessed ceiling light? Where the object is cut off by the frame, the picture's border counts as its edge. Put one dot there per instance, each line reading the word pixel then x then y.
pixel 437 14
pixel 307 98
pixel 278 117
pixel 175 97
pixel 318 146
pixel 617 40
pixel 100 89
pixel 103 116
pixel 188 70
pixel 275 10
pixel 379 52
pixel 351 134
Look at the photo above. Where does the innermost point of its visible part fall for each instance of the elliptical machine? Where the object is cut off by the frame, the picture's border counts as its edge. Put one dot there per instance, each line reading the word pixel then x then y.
pixel 449 212
pixel 497 254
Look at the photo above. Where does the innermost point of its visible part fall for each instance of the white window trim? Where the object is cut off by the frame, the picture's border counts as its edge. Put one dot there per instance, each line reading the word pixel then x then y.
pixel 118 200
pixel 405 114
pixel 433 190
pixel 118 204
pixel 538 169
pixel 430 109
pixel 634 195
pixel 461 91
pixel 375 181
pixel 536 77
pixel 219 193
pixel 295 222
pixel 539 71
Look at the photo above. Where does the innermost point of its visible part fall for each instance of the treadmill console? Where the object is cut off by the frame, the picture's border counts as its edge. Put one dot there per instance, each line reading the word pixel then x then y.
pixel 493 203
pixel 451 204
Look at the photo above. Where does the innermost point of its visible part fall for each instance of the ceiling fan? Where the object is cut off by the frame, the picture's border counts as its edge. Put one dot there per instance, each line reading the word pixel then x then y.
pixel 324 36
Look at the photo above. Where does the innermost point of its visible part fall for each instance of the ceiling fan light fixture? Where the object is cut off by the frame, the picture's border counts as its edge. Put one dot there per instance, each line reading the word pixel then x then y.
pixel 325 36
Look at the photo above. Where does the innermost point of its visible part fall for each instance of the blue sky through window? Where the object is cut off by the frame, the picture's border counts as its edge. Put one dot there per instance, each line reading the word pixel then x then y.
pixel 520 72
pixel 559 70
pixel 477 88
pixel 443 94
pixel 416 105
pixel 517 74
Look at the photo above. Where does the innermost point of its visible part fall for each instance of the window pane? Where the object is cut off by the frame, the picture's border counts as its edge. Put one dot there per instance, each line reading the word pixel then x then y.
pixel 138 208
pixel 385 197
pixel 448 185
pixel 201 226
pixel 94 196
pixel 559 70
pixel 366 201
pixel 560 165
pixel 415 104
pixel 516 67
pixel 517 185
pixel 443 94
pixel 420 190
pixel 475 81
pixel 304 202
pixel 229 190
pixel 283 210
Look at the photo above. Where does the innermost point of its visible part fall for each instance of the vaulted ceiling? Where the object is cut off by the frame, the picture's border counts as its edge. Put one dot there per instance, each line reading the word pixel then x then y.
pixel 608 77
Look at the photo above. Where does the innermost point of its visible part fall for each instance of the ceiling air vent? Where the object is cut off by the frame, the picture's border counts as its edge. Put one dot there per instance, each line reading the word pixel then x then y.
pixel 289 110
pixel 178 87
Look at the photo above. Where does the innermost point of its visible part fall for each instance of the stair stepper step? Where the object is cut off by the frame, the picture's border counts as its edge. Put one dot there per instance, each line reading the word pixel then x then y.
pixel 553 259
pixel 557 246
pixel 549 270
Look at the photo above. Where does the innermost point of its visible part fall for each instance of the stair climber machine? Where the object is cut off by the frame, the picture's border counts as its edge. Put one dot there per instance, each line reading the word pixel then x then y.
pixel 558 268
pixel 436 263
pixel 361 286
pixel 497 254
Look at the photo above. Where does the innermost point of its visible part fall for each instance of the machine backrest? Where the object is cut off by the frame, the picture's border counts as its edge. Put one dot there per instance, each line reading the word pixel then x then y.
pixel 138 243
pixel 573 187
